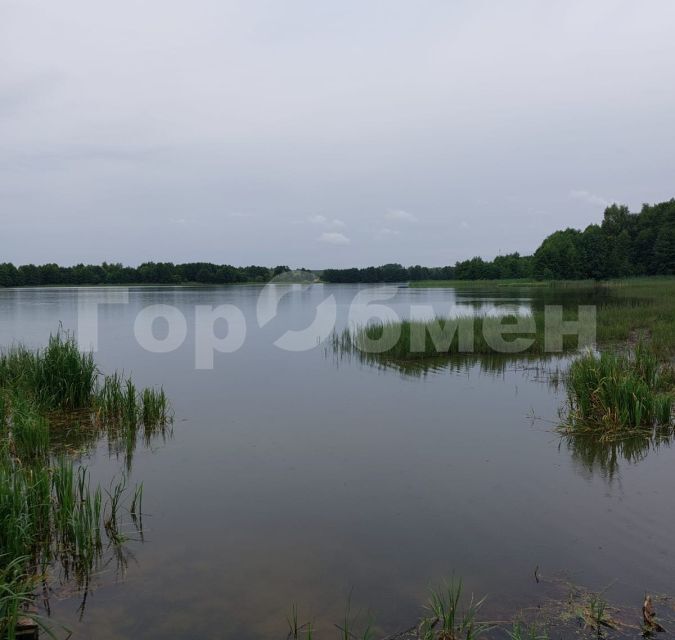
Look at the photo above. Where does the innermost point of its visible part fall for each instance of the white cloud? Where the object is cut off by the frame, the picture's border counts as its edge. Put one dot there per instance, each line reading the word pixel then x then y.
pixel 400 214
pixel 237 214
pixel 321 220
pixel 333 237
pixel 387 233
pixel 463 224
pixel 589 198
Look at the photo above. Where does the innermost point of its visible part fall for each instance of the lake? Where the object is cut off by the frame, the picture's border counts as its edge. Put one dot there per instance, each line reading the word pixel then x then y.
pixel 301 477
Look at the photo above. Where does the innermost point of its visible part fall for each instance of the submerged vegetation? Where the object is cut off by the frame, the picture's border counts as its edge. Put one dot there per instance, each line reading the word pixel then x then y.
pixel 53 524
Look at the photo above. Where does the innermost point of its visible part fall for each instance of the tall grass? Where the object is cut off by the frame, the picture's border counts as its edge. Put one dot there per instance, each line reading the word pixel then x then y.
pixel 51 518
pixel 617 391
pixel 56 377
pixel 624 306
pixel 510 335
pixel 16 589
pixel 155 409
pixel 29 428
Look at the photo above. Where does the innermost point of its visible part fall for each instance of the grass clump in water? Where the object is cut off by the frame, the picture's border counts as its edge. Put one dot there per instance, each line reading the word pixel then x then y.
pixel 51 519
pixel 513 335
pixel 16 589
pixel 28 427
pixel 619 392
pixel 448 619
pixel 155 408
pixel 56 377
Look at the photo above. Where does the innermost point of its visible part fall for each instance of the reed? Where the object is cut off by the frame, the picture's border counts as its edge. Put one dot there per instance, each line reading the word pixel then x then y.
pixel 155 409
pixel 64 378
pixel 448 619
pixel 508 335
pixel 16 589
pixel 56 377
pixel 4 411
pixel 109 400
pixel 617 391
pixel 624 306
pixel 29 428
pixel 51 518
pixel 294 625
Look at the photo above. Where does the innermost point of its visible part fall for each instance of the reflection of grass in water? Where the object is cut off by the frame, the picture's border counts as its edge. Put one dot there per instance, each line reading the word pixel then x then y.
pixel 607 454
pixel 50 516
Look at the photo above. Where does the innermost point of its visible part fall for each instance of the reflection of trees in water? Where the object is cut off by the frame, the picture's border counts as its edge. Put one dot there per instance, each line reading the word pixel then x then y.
pixel 595 454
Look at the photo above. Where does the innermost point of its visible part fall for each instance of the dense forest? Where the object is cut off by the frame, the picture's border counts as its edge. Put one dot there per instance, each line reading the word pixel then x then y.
pixel 624 244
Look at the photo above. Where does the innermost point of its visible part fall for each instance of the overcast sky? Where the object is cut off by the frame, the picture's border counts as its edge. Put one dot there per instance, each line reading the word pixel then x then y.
pixel 317 133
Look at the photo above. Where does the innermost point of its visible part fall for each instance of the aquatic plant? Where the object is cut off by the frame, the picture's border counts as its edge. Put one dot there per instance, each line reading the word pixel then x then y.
pixel 615 391
pixel 29 428
pixel 505 334
pixel 155 408
pixel 521 631
pixel 16 589
pixel 50 517
pixel 450 621
pixel 294 626
pixel 347 628
pixel 56 377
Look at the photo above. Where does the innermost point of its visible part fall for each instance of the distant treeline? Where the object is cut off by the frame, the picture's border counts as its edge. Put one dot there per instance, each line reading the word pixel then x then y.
pixel 147 273
pixel 624 244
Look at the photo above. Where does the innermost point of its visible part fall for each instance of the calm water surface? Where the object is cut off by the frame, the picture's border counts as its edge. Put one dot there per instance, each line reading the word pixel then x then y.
pixel 294 477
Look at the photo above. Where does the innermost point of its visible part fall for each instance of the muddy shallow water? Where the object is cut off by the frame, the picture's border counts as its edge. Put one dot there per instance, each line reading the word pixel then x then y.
pixel 297 477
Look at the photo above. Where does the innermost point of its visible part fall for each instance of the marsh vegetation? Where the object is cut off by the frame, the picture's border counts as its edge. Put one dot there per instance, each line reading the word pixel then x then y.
pixel 55 526
pixel 624 310
pixel 354 453
pixel 561 609
pixel 618 393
